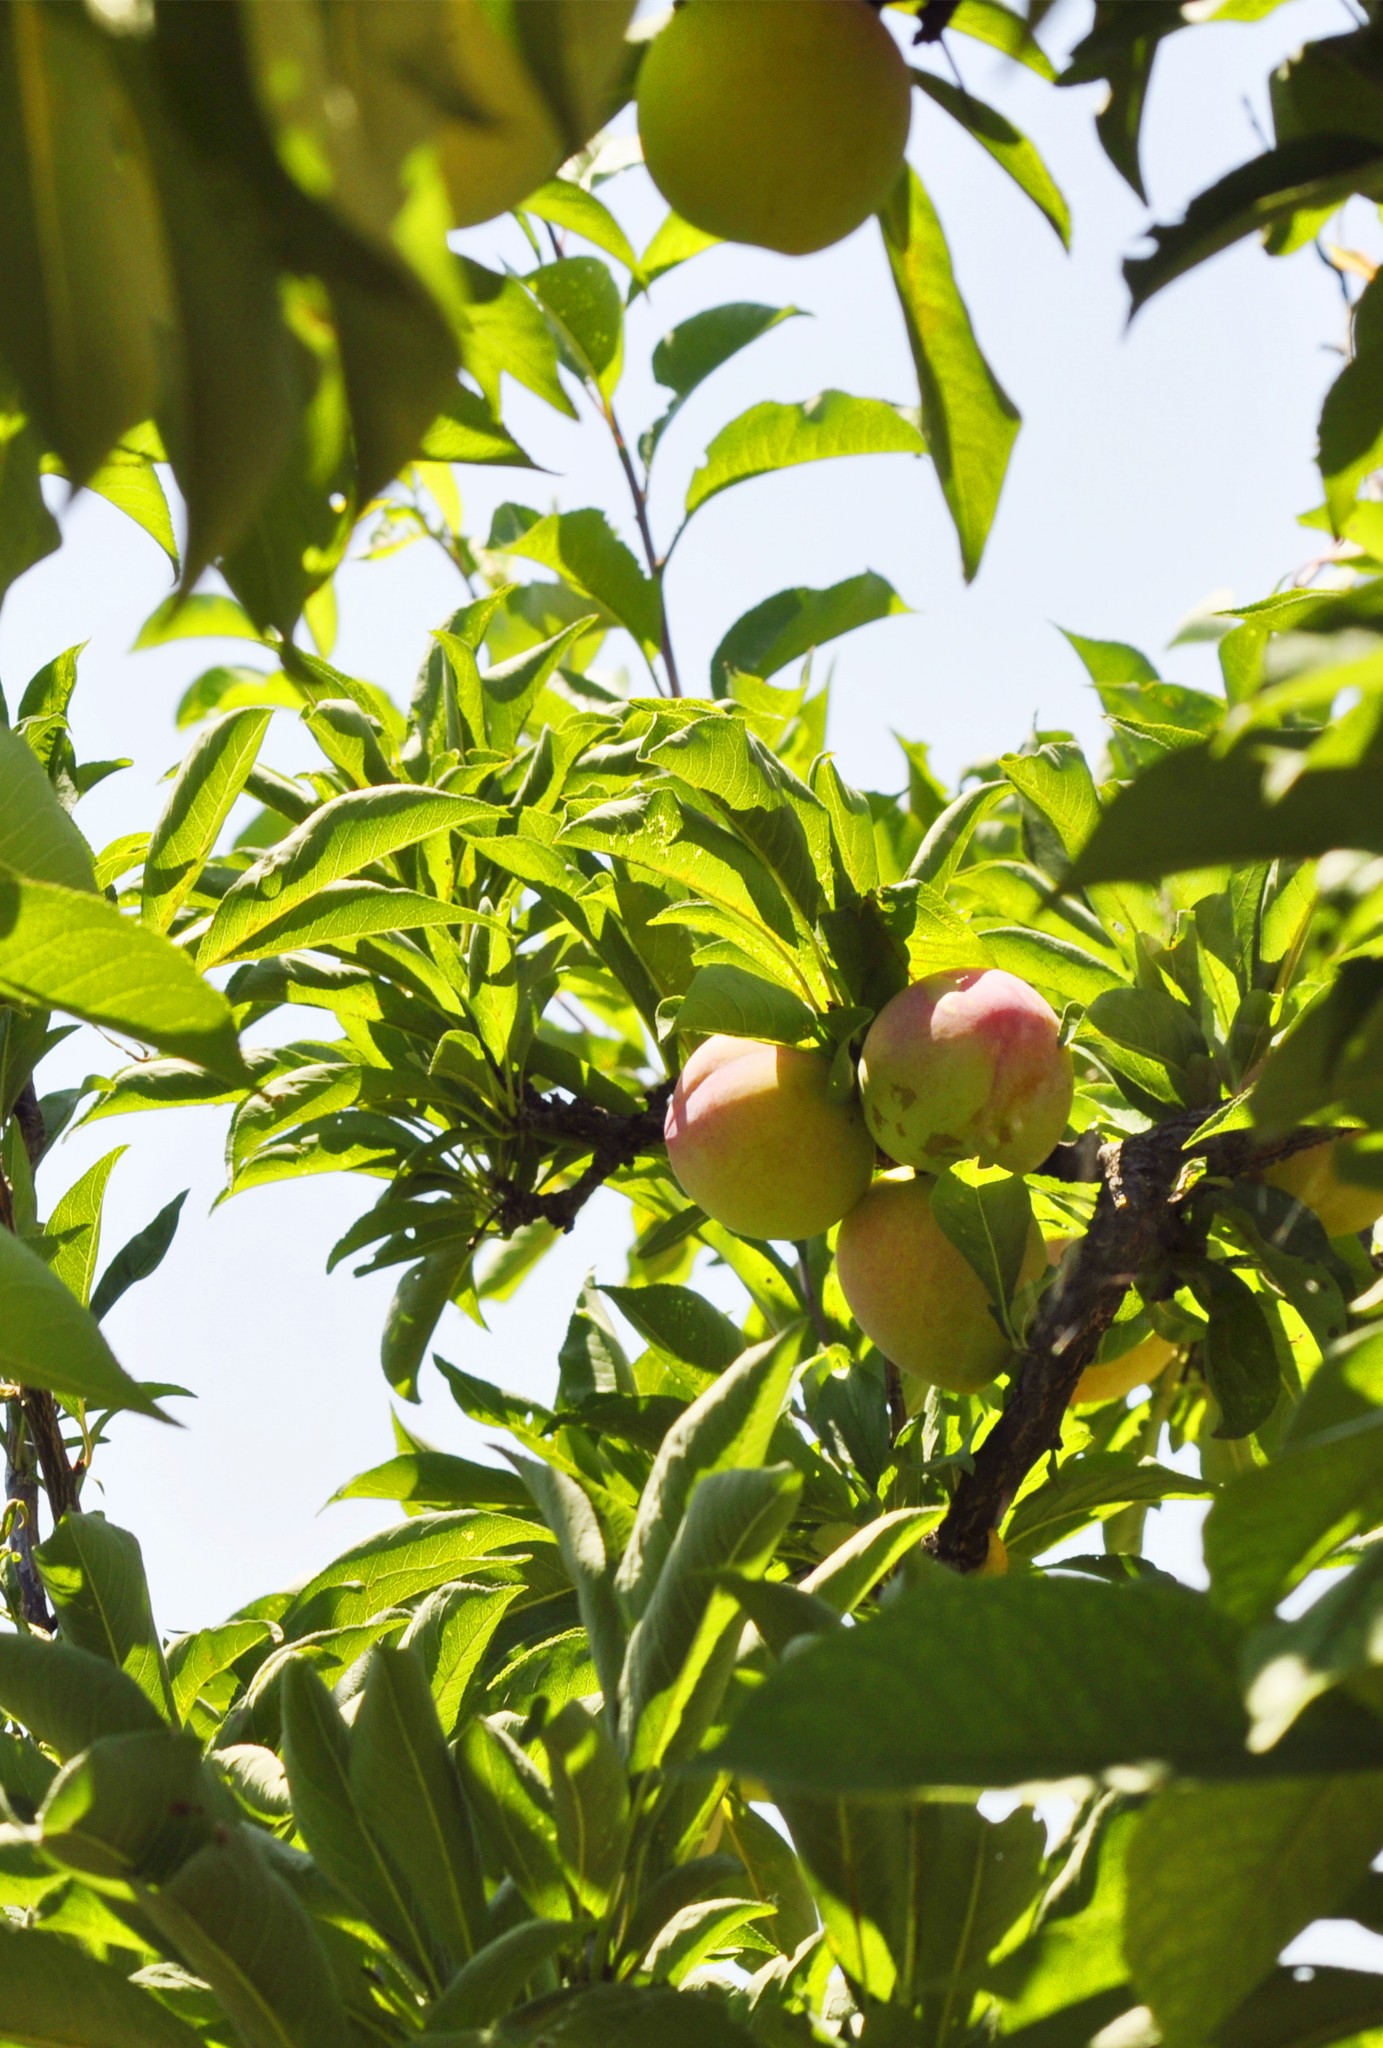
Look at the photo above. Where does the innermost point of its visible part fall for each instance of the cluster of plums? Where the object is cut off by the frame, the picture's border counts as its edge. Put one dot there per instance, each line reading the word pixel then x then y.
pixel 966 1065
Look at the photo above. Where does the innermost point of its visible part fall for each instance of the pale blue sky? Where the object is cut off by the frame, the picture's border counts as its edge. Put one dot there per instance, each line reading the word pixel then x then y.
pixel 1155 468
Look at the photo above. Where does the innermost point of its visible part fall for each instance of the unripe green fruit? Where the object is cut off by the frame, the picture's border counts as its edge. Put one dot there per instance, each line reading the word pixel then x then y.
pixel 914 1294
pixel 781 122
pixel 756 1139
pixel 1111 1379
pixel 1313 1177
pixel 967 1066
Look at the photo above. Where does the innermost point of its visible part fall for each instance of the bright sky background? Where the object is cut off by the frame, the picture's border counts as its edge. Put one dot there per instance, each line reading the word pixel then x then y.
pixel 1157 468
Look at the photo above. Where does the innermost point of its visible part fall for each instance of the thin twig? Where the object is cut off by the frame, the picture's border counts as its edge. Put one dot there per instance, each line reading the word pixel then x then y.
pixel 656 564
pixel 613 1141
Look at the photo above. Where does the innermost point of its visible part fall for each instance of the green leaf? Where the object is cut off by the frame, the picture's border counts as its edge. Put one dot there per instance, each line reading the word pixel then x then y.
pixel 327 1812
pixel 137 1259
pixel 204 615
pixel 1351 437
pixel 402 1780
pixel 988 1218
pixel 1220 1879
pixel 66 950
pixel 75 1227
pixel 486 1987
pixel 1064 971
pixel 588 555
pixel 567 1510
pixel 195 1660
pixel 94 1574
pixel 1273 1525
pixel 1311 172
pixel 467 431
pixel 1008 146
pixel 436 1479
pixel 1241 1367
pixel 132 1808
pixel 1109 1675
pixel 67 1697
pixel 239 1926
pixel 37 838
pixel 690 352
pixel 348 833
pixel 681 1322
pixel 682 1646
pixel 342 912
pixel 451 1631
pixel 969 420
pixel 988 21
pixel 729 999
pixel 569 205
pixel 206 786
pixel 1082 1489
pixel 54 1995
pixel 508 1799
pixel 506 333
pixel 772 436
pixel 590 1802
pixel 128 480
pixel 47 1339
pixel 399 1563
pixel 28 530
pixel 1336 1641
pixel 728 1426
pixel 83 283
pixel 1111 661
pixel 582 301
pixel 615 2016
pixel 794 622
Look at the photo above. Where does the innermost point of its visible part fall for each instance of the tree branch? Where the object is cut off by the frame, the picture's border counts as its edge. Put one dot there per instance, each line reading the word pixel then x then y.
pixel 32 1421
pixel 1139 1217
pixel 613 1142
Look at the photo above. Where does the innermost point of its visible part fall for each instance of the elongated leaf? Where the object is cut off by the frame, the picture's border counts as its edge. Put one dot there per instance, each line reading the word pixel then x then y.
pixel 203 615
pixel 590 1802
pixel 681 1322
pixel 988 1218
pixel 730 1425
pixel 1351 439
pixel 614 2016
pixel 490 1983
pixel 452 1631
pixel 136 1260
pixel 237 1924
pixel 132 1808
pixel 794 622
pixel 75 1227
pixel 344 836
pixel 588 555
pixel 467 431
pixel 568 205
pixel 47 1339
pixel 207 784
pixel 195 1660
pixel 772 436
pixel 969 421
pixel 1272 1525
pixel 410 1558
pixel 435 1479
pixel 1093 1676
pixel 66 950
pixel 1221 1877
pixel 690 352
pixel 568 1512
pixel 54 1995
pixel 1085 1488
pixel 583 304
pixel 503 1791
pixel 94 1573
pixel 67 1697
pixel 37 838
pixel 1337 1640
pixel 343 912
pixel 1008 146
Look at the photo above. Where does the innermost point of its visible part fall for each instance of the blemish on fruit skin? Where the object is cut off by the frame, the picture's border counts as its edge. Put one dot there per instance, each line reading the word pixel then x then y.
pixel 906 1096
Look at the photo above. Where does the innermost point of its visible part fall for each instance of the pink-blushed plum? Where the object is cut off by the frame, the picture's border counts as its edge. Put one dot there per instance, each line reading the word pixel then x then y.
pixel 1313 1177
pixel 756 1139
pixel 914 1294
pixel 967 1065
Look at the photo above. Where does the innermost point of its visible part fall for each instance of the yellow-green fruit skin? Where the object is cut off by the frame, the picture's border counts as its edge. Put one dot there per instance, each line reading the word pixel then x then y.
pixel 914 1294
pixel 995 1564
pixel 757 1141
pixel 1139 1366
pixel 1313 1177
pixel 778 122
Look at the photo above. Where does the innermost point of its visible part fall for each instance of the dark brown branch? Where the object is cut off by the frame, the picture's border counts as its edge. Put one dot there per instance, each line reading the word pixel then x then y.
pixel 29 1417
pixel 613 1141
pixel 1139 1218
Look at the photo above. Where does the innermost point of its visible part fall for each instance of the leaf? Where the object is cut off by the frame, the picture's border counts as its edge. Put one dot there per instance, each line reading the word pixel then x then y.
pixel 1273 1525
pixel 136 1260
pixel 587 554
pixel 505 332
pixel 132 1808
pixel 28 530
pixel 988 1218
pixel 1241 1367
pixel 66 1697
pixel 690 352
pixel 569 205
pixel 128 480
pixel 94 1574
pixel 969 421
pixel 327 1812
pixel 206 786
pixel 616 2016
pixel 1008 146
pixel 1290 1663
pixel 728 1426
pixel 582 301
pixel 74 1228
pixel 66 950
pixel 47 1339
pixel 1351 433
pixel 83 284
pixel 486 1987
pixel 794 622
pixel 435 1479
pixel 681 1650
pixel 695 1933
pixel 590 1802
pixel 1311 172
pixel 681 1322
pixel 451 1631
pixel 772 436
pixel 467 431
pixel 37 838
pixel 399 1563
pixel 54 1995
pixel 676 241
pixel 347 834
pixel 568 1512
pixel 501 1790
pixel 1221 1877
pixel 195 1660
pixel 1083 1486
pixel 401 1778
pixel 202 615
pixel 987 21
pixel 1063 971
pixel 729 999
pixel 1108 1676
pixel 239 1926
pixel 342 912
